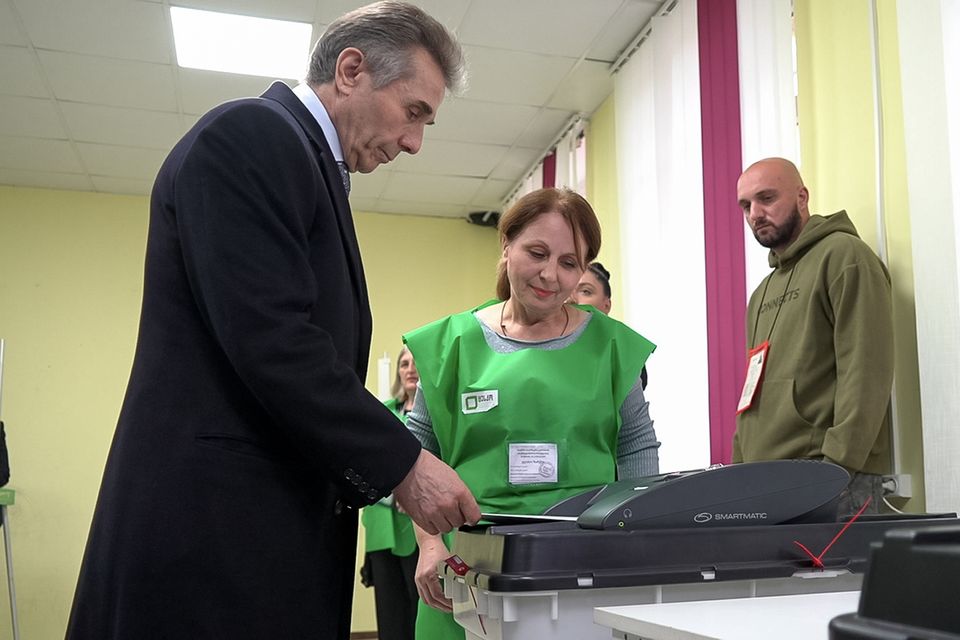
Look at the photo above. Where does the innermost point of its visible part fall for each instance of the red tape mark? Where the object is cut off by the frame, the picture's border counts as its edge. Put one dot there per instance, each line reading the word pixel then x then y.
pixel 818 560
pixel 457 564
pixel 460 568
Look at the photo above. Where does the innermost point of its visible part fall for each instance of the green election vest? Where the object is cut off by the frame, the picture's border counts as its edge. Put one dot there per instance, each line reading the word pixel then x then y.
pixel 385 527
pixel 527 429
pixel 524 429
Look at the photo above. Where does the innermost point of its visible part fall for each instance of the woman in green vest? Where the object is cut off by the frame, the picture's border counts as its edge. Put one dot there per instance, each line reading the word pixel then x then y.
pixel 391 549
pixel 529 398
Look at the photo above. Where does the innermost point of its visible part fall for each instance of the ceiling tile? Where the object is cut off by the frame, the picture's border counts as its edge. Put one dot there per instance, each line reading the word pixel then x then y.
pixel 130 186
pixel 295 10
pixel 45 179
pixel 516 163
pixel 369 185
pixel 414 187
pixel 123 127
pixel 449 12
pixel 584 89
pixel 465 120
pixel 121 162
pixel 544 128
pixel 421 208
pixel 38 154
pixel 110 28
pixel 203 90
pixel 10 31
pixel 499 75
pixel 32 117
pixel 622 29
pixel 491 194
pixel 442 157
pixel 554 27
pixel 21 73
pixel 122 101
pixel 118 83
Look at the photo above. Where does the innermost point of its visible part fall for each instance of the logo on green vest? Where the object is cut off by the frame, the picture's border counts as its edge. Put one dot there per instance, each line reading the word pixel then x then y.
pixel 479 401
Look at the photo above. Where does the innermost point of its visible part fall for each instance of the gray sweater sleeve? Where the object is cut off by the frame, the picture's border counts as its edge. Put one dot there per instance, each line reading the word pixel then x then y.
pixel 420 424
pixel 637 442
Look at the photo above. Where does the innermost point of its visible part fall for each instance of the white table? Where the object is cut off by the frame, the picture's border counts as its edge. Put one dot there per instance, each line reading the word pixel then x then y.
pixel 797 617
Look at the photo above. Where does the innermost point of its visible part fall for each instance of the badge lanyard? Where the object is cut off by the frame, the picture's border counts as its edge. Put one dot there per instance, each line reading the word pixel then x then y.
pixel 757 356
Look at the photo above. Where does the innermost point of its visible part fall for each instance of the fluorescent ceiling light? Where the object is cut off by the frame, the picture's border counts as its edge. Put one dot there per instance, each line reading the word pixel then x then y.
pixel 240 44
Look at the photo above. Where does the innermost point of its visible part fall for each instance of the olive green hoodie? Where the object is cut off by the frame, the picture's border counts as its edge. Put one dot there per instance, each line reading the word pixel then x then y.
pixel 826 311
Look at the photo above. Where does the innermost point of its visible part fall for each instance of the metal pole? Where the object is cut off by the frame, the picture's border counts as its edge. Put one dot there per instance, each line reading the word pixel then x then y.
pixel 5 523
pixel 13 594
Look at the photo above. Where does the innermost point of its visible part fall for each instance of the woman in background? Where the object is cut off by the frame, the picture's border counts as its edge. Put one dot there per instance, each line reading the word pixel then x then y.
pixel 594 289
pixel 530 399
pixel 391 548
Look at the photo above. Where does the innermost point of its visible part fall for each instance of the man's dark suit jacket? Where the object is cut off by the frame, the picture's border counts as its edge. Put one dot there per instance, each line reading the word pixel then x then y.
pixel 246 438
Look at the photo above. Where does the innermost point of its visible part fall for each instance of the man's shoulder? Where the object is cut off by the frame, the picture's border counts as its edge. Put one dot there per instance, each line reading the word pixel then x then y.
pixel 843 253
pixel 844 246
pixel 257 121
pixel 255 107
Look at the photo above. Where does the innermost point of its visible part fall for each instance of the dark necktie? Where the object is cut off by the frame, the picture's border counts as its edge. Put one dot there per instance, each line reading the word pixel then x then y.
pixel 345 176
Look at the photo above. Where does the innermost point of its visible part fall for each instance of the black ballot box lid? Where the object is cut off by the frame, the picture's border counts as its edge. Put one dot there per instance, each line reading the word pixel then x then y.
pixel 911 589
pixel 561 555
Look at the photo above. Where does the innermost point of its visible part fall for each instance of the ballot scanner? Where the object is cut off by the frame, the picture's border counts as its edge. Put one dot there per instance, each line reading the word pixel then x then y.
pixel 737 531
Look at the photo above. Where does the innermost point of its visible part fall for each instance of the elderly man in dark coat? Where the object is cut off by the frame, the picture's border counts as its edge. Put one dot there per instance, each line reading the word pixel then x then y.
pixel 246 439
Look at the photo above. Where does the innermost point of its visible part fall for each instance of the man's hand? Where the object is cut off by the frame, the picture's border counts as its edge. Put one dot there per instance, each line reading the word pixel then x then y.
pixel 435 496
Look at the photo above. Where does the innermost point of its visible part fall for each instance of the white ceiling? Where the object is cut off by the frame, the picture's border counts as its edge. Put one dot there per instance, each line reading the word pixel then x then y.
pixel 91 97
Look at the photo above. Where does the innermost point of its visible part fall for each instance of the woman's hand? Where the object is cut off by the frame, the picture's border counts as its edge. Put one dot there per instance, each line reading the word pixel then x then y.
pixel 432 552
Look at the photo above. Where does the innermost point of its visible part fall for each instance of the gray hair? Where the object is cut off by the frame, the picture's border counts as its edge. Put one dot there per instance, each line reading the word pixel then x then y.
pixel 387 33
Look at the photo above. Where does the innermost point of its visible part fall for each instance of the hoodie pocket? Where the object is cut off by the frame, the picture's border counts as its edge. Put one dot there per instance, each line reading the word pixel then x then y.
pixel 776 430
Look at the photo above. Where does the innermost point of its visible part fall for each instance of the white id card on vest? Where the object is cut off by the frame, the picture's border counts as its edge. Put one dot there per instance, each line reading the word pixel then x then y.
pixel 755 366
pixel 479 401
pixel 533 462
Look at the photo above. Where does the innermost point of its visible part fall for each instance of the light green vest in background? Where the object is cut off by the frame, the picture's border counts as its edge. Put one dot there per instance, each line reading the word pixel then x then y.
pixel 384 526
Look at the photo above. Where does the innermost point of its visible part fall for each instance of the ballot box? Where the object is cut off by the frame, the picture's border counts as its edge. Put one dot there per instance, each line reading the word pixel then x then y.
pixel 911 589
pixel 521 581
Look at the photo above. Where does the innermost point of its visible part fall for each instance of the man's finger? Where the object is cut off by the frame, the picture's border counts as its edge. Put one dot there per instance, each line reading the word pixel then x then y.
pixel 470 510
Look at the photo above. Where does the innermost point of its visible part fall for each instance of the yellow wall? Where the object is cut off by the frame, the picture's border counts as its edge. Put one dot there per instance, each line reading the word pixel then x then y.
pixel 602 193
pixel 71 268
pixel 838 153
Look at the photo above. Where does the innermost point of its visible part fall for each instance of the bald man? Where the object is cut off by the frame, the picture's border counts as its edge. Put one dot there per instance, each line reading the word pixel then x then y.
pixel 820 335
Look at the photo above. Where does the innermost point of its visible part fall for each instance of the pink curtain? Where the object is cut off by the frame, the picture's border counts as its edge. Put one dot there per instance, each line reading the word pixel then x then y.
pixel 723 224
pixel 550 170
